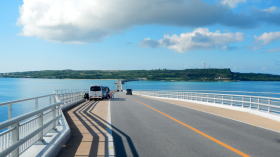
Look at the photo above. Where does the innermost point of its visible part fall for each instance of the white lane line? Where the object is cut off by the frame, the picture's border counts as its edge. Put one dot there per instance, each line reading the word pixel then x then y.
pixel 111 148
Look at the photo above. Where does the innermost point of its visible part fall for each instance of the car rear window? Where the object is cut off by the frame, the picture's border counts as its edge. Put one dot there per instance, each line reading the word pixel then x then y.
pixel 95 88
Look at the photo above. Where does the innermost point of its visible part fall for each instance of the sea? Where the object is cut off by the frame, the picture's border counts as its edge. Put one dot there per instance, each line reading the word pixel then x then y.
pixel 20 88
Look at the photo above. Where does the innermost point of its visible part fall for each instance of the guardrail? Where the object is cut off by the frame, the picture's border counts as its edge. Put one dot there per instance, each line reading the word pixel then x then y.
pixel 20 133
pixel 32 102
pixel 69 97
pixel 266 104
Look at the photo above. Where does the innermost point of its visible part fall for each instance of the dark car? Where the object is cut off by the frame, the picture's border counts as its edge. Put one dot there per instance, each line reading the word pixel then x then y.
pixel 86 96
pixel 128 91
pixel 107 89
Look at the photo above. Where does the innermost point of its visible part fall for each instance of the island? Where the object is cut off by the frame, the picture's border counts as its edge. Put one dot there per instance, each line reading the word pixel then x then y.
pixel 156 74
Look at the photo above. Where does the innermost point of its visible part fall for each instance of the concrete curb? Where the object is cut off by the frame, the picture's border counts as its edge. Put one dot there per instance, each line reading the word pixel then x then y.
pixel 55 146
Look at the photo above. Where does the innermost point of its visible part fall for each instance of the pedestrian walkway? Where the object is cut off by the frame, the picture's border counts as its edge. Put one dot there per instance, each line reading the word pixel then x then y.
pixel 89 134
pixel 244 117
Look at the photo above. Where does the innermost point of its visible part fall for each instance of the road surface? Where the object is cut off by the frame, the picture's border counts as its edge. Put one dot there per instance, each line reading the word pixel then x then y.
pixel 150 128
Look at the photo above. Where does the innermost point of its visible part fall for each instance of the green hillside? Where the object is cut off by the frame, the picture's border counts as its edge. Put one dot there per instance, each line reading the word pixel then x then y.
pixel 160 74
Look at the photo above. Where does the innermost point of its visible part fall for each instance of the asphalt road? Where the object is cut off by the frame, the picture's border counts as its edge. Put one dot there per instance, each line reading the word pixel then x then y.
pixel 149 128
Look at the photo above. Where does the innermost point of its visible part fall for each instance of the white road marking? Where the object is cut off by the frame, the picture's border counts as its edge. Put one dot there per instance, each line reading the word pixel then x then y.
pixel 111 148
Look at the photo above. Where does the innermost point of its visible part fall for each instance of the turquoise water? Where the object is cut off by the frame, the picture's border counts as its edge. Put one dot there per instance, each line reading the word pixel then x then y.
pixel 259 86
pixel 14 88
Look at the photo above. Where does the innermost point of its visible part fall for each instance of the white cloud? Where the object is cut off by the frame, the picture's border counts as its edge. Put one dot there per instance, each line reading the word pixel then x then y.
pixel 270 9
pixel 232 3
pixel 268 37
pixel 91 20
pixel 78 21
pixel 200 38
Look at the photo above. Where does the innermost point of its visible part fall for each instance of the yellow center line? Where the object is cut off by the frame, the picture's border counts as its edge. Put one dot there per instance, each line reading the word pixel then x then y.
pixel 199 132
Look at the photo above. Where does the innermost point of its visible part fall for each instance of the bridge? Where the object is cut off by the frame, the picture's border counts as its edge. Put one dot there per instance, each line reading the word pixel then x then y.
pixel 148 123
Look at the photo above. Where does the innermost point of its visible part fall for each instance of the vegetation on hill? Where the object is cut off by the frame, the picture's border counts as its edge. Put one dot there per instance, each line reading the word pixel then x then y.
pixel 159 74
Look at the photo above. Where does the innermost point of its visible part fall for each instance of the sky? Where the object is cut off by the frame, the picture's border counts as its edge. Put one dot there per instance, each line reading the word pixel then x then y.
pixel 243 35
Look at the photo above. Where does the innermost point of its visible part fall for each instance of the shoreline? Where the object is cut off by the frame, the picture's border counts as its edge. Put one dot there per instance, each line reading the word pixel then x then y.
pixel 144 79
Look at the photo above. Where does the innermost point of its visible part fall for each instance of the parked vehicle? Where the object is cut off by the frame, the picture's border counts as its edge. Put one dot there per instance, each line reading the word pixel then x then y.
pixel 97 92
pixel 86 96
pixel 107 89
pixel 128 91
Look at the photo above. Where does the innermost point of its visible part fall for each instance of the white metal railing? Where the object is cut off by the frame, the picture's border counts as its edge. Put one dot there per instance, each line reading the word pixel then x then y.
pixel 69 96
pixel 261 103
pixel 32 102
pixel 22 132
pixel 17 134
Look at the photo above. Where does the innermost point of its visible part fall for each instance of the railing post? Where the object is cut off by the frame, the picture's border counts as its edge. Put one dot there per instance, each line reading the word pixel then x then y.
pixel 15 138
pixel 258 103
pixel 193 98
pixel 63 98
pixel 50 99
pixel 242 101
pixel 54 117
pixel 10 111
pixel 41 123
pixel 66 98
pixel 250 102
pixel 55 97
pixel 36 104
pixel 181 95
pixel 72 97
pixel 269 107
pixel 214 99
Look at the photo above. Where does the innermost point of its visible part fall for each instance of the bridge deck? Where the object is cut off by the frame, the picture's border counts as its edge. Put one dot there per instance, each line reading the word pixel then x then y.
pixel 153 127
pixel 89 135
pixel 240 116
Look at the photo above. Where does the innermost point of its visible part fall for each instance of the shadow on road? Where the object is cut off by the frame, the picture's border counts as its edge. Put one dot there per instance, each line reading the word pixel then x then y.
pixel 93 123
pixel 75 139
pixel 118 136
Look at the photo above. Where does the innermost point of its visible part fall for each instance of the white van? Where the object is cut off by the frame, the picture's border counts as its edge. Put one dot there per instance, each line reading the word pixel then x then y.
pixel 97 92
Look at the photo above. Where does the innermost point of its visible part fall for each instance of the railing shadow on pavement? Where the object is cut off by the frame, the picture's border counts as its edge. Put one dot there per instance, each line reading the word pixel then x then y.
pixel 94 147
pixel 76 135
pixel 84 114
pixel 117 134
pixel 118 140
